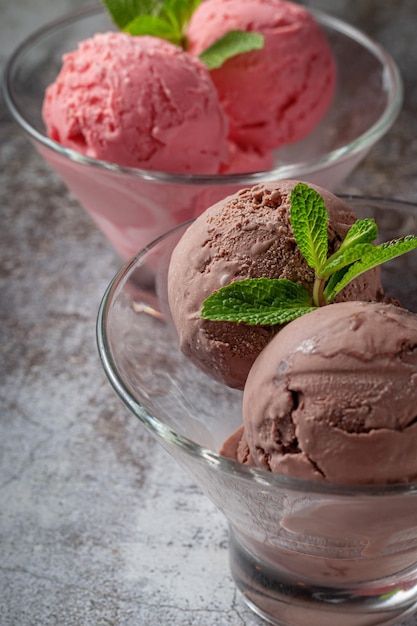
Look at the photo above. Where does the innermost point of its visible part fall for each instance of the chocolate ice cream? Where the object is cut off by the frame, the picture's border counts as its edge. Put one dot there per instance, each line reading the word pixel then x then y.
pixel 334 397
pixel 247 235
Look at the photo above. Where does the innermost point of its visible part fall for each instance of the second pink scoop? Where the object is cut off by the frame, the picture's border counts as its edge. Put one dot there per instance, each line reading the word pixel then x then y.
pixel 276 95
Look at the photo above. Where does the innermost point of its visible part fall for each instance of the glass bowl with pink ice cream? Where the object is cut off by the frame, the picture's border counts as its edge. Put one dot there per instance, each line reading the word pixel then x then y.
pixel 147 134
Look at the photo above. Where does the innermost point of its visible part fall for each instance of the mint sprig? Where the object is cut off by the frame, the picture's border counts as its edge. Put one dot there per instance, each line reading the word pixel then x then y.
pixel 374 256
pixel 123 12
pixel 168 19
pixel 265 301
pixel 259 301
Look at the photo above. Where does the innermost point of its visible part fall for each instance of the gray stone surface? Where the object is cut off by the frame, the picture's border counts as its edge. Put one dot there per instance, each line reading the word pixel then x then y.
pixel 98 526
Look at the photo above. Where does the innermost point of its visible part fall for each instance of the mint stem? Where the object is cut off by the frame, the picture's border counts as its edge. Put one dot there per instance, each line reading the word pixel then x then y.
pixel 318 289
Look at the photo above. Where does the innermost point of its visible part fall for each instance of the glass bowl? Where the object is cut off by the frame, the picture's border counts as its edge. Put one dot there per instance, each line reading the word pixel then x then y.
pixel 132 206
pixel 301 552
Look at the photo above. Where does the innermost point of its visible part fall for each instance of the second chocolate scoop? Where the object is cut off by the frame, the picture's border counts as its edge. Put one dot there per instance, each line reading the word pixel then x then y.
pixel 334 397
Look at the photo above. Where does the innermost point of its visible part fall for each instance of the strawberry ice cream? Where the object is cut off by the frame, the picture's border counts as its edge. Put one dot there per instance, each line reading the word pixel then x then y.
pixel 278 94
pixel 138 102
pixel 141 102
pixel 241 160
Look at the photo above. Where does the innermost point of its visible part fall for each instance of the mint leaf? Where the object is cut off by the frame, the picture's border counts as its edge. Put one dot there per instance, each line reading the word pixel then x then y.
pixel 230 45
pixel 356 243
pixel 154 26
pixel 362 231
pixel 332 282
pixel 344 257
pixel 258 301
pixel 123 12
pixel 179 12
pixel 376 256
pixel 166 20
pixel 308 218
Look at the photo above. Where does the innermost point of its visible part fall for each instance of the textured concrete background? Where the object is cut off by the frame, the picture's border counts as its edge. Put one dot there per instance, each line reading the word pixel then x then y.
pixel 98 526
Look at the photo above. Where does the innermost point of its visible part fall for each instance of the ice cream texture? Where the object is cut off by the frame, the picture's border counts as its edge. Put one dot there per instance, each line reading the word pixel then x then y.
pixel 247 235
pixel 138 102
pixel 142 102
pixel 278 94
pixel 333 397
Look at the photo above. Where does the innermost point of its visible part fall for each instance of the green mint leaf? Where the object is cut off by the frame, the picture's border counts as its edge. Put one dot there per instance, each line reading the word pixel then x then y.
pixel 362 231
pixel 230 45
pixel 166 20
pixel 154 26
pixel 332 282
pixel 344 257
pixel 258 301
pixel 263 301
pixel 378 255
pixel 179 12
pixel 123 12
pixel 309 219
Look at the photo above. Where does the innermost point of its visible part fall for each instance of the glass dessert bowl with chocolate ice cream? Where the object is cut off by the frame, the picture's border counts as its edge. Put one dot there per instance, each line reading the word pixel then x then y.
pixel 319 534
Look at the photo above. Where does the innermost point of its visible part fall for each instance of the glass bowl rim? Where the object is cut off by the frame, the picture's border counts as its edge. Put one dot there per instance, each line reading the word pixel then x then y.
pixel 214 459
pixel 392 79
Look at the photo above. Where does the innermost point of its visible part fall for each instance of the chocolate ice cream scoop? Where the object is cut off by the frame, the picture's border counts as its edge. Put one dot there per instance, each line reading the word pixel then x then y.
pixel 247 235
pixel 334 397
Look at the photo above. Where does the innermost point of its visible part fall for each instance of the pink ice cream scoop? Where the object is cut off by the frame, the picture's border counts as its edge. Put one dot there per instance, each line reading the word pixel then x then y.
pixel 246 160
pixel 278 94
pixel 138 102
